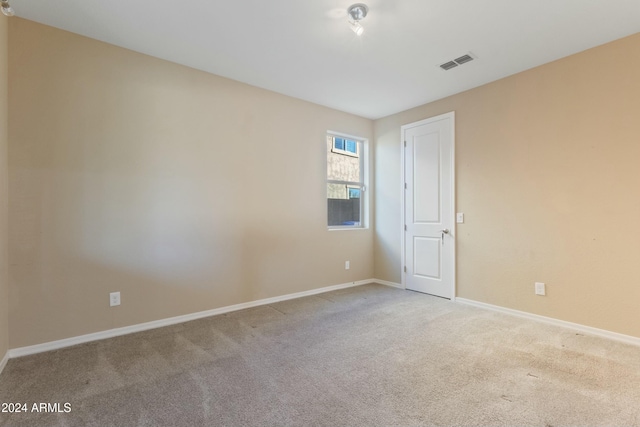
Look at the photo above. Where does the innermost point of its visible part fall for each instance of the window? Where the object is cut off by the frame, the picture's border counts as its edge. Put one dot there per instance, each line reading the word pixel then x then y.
pixel 345 182
pixel 345 146
pixel 354 192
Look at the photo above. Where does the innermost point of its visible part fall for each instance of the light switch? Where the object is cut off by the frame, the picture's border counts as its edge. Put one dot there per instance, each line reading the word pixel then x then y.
pixel 460 218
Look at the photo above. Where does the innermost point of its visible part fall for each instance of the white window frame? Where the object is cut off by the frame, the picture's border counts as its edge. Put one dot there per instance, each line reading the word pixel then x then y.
pixel 363 154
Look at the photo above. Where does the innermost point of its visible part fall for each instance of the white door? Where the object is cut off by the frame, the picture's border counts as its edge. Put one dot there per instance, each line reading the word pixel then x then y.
pixel 429 243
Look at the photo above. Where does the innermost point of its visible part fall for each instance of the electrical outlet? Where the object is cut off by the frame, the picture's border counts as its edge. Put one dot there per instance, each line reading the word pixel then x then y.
pixel 346 265
pixel 460 218
pixel 540 289
pixel 114 299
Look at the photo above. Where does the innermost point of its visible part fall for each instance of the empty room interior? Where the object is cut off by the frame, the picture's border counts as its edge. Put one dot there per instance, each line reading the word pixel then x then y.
pixel 416 212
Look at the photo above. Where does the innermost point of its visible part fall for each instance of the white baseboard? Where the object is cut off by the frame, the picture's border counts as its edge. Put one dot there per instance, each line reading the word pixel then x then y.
pixel 68 342
pixel 628 339
pixel 387 283
pixel 4 361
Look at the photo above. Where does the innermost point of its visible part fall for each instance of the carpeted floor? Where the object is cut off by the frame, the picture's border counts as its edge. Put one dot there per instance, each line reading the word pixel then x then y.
pixel 364 356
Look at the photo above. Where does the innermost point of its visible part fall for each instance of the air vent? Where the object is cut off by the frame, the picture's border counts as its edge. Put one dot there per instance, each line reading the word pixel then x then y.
pixel 458 61
pixel 463 59
pixel 448 65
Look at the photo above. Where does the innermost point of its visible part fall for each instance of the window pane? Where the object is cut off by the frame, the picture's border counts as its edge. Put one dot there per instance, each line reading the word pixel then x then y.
pixel 342 167
pixel 345 180
pixel 343 210
pixel 337 191
pixel 351 146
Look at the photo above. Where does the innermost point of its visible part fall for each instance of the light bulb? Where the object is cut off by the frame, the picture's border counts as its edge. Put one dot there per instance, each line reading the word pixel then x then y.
pixel 7 10
pixel 357 28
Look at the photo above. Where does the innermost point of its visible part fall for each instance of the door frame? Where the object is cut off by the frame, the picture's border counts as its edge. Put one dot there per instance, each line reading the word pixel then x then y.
pixel 403 128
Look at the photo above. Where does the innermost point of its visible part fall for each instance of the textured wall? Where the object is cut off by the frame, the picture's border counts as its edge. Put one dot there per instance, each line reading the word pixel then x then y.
pixel 548 176
pixel 4 283
pixel 132 174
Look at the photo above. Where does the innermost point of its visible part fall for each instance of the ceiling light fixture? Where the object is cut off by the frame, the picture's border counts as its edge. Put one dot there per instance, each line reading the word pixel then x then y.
pixel 357 12
pixel 7 10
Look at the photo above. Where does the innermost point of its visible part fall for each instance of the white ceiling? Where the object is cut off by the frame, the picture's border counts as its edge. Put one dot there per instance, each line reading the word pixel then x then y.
pixel 305 48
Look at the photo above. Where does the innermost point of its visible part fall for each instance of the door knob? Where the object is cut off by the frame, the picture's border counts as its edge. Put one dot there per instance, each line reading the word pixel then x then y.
pixel 443 232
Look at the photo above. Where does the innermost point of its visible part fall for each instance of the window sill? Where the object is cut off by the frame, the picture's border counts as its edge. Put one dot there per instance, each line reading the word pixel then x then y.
pixel 346 228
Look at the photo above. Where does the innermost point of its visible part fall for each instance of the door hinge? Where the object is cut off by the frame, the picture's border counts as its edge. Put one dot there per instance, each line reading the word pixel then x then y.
pixel 405 185
pixel 405 144
pixel 405 268
pixel 405 227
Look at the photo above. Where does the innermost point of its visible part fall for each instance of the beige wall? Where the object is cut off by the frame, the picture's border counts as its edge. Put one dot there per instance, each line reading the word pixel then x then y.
pixel 548 177
pixel 132 174
pixel 4 284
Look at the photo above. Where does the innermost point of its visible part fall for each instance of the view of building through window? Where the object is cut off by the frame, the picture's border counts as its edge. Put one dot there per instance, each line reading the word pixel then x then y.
pixel 345 182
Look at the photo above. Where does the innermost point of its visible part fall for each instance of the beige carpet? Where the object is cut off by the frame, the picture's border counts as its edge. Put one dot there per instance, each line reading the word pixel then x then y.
pixel 365 356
